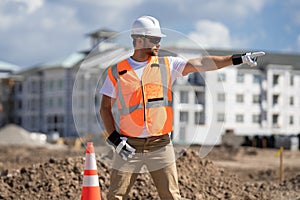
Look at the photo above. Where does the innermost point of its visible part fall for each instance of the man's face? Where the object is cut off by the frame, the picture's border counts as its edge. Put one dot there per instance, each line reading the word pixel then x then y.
pixel 151 45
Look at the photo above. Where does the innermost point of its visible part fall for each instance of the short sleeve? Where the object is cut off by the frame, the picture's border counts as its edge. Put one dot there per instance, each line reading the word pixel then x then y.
pixel 177 65
pixel 108 88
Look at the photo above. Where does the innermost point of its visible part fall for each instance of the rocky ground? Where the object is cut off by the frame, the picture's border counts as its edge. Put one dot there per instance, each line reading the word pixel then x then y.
pixel 246 173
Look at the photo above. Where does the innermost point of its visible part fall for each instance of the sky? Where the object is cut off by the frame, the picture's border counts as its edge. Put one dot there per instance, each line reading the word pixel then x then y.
pixel 41 31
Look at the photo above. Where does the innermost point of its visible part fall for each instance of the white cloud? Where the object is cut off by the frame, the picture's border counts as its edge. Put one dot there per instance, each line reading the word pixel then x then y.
pixel 51 32
pixel 292 7
pixel 234 9
pixel 14 12
pixel 113 3
pixel 296 17
pixel 31 5
pixel 211 34
pixel 48 23
pixel 33 23
pixel 6 21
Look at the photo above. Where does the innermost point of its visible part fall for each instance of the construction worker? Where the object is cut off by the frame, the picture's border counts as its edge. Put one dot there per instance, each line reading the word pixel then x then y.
pixel 141 86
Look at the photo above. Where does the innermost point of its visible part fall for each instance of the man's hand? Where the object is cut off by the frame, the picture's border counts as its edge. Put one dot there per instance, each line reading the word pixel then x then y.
pixel 120 144
pixel 247 58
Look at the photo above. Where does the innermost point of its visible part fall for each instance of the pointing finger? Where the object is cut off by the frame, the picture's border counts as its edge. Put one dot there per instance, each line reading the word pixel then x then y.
pixel 257 54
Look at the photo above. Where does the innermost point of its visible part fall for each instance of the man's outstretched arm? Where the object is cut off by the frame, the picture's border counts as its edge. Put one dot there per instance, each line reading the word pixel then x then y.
pixel 209 63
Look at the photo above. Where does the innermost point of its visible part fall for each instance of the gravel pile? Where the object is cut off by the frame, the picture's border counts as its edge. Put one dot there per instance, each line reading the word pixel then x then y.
pixel 198 179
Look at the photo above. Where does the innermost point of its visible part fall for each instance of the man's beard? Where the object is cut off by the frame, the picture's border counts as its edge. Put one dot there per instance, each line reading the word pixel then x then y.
pixel 152 52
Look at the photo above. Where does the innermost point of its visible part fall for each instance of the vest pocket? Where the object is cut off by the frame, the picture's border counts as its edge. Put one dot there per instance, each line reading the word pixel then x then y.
pixel 155 99
pixel 155 103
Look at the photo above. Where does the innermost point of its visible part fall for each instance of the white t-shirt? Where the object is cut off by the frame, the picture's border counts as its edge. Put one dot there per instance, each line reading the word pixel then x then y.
pixel 177 65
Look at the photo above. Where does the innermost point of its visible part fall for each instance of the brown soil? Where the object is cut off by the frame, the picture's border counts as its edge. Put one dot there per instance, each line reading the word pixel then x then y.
pixel 246 173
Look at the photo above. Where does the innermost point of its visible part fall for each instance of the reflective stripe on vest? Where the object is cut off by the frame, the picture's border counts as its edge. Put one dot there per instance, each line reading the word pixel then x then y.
pixel 134 97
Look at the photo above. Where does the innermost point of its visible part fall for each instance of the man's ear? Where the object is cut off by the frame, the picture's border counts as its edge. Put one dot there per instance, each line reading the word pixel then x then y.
pixel 139 43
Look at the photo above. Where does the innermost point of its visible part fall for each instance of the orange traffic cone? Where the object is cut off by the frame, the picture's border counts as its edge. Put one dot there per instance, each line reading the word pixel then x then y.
pixel 90 186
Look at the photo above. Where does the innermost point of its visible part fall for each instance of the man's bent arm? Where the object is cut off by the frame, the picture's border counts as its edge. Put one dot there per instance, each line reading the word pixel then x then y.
pixel 207 63
pixel 106 113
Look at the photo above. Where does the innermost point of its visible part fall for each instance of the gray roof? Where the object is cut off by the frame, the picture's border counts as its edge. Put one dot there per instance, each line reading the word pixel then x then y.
pixel 107 33
pixel 67 62
pixel 8 67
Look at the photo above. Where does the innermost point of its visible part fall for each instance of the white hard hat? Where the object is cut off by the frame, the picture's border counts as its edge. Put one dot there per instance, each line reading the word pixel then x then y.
pixel 146 25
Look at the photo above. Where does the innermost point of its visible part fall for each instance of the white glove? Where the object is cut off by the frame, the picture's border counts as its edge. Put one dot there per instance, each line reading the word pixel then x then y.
pixel 124 149
pixel 120 144
pixel 247 58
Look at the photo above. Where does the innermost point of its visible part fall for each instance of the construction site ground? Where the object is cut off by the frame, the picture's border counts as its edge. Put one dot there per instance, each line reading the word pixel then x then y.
pixel 225 173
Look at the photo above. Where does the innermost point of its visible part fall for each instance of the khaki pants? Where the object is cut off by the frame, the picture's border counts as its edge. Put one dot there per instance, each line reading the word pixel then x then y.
pixel 157 154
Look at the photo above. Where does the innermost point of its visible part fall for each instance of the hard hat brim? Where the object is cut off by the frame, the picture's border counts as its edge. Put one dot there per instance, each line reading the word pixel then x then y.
pixel 152 35
pixel 162 35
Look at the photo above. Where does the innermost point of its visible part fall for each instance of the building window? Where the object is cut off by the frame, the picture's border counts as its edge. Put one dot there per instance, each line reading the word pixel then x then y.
pixel 275 120
pixel 275 79
pixel 184 97
pixel 33 104
pixel 256 119
pixel 275 99
pixel 199 118
pixel 19 104
pixel 60 84
pixel 51 103
pixel 240 78
pixel 184 116
pixel 196 79
pixel 255 98
pixel 221 117
pixel 51 85
pixel 60 102
pixel 256 78
pixel 239 118
pixel 20 88
pixel 292 80
pixel 199 97
pixel 291 120
pixel 240 98
pixel 221 97
pixel 221 77
pixel 291 101
pixel 264 116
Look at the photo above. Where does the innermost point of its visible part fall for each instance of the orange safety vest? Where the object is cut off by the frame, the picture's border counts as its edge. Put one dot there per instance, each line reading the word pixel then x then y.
pixel 144 101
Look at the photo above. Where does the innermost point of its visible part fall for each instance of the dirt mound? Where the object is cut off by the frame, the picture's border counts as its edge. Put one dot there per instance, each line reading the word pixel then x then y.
pixel 201 179
pixel 198 179
pixel 16 135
